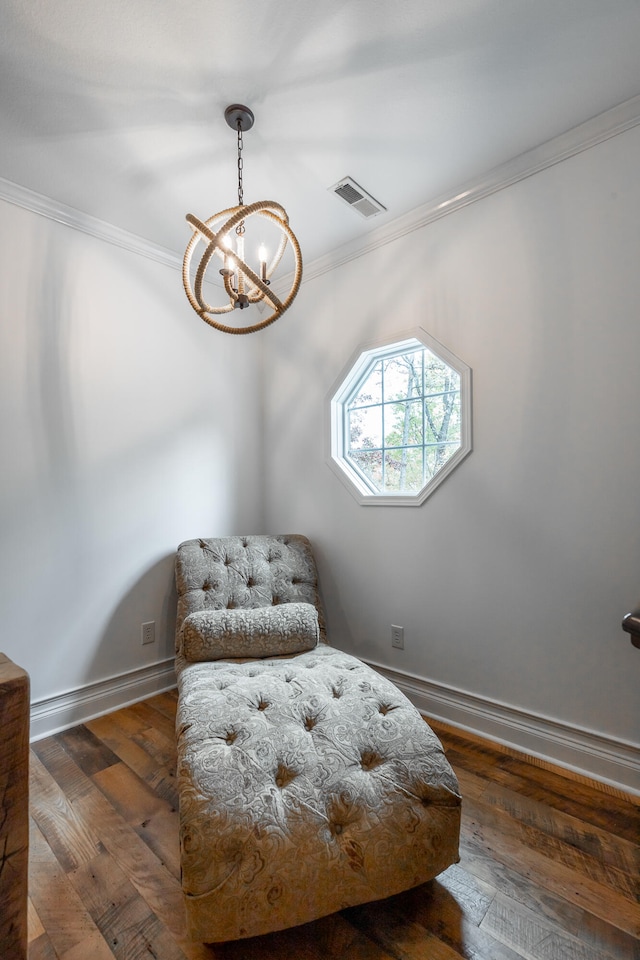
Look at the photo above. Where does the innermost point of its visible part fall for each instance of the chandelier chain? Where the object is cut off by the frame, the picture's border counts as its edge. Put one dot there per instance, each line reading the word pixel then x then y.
pixel 240 227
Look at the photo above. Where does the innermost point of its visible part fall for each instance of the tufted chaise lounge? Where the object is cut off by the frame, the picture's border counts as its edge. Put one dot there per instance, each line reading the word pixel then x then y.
pixel 307 782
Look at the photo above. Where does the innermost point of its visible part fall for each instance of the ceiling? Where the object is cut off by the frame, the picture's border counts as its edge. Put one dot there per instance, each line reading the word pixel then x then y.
pixel 116 108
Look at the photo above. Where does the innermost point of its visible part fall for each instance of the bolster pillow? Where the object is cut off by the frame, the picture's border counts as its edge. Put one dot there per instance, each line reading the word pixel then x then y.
pixel 250 632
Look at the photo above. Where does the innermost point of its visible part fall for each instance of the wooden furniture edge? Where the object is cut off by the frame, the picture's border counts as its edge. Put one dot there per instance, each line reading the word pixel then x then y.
pixel 14 826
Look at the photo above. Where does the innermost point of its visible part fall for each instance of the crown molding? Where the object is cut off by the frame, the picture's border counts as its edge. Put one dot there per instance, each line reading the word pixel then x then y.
pixel 600 128
pixel 603 127
pixel 85 223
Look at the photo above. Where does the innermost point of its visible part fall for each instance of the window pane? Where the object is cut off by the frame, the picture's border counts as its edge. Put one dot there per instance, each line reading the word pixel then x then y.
pixel 400 410
pixel 437 456
pixel 438 376
pixel 365 428
pixel 371 390
pixel 442 418
pixel 403 424
pixel 370 464
pixel 403 376
pixel 403 471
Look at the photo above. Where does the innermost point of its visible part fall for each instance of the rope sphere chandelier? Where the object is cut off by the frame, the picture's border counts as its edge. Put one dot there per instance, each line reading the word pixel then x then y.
pixel 243 285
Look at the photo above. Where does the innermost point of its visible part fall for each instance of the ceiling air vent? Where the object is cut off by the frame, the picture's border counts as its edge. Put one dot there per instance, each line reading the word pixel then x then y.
pixel 357 198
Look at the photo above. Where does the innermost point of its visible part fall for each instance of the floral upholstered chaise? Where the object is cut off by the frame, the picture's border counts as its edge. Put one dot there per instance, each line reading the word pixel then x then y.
pixel 307 782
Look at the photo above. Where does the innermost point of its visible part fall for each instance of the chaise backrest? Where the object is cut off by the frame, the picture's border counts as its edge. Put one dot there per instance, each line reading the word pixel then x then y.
pixel 246 572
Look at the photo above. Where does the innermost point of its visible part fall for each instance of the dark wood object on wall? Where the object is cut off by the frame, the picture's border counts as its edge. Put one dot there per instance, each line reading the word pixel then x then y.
pixel 631 623
pixel 14 809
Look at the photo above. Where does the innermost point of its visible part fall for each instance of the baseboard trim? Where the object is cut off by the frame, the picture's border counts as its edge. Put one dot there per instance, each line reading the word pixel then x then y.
pixel 583 752
pixel 53 714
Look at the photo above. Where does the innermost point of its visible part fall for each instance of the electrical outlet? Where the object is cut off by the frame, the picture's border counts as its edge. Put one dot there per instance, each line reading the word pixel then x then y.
pixel 397 637
pixel 149 632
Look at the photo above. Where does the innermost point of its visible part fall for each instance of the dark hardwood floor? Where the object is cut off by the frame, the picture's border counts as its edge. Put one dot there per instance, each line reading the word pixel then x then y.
pixel 549 864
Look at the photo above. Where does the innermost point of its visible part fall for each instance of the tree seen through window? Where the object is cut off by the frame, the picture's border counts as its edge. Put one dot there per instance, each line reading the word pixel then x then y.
pixel 403 421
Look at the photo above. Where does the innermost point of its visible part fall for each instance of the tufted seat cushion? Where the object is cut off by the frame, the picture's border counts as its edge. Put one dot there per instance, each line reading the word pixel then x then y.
pixel 307 783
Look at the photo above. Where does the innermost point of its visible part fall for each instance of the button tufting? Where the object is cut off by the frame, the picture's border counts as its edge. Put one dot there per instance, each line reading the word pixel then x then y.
pixel 369 760
pixel 386 708
pixel 263 704
pixel 310 723
pixel 231 737
pixel 284 775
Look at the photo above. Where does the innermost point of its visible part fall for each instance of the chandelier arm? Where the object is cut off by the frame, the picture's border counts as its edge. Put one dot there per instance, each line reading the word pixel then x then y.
pixel 231 293
pixel 267 293
pixel 199 305
pixel 202 229
pixel 215 244
pixel 282 305
pixel 259 290
pixel 254 328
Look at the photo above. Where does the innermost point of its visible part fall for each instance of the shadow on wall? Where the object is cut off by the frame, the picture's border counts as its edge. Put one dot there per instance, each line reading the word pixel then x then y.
pixel 338 630
pixel 151 598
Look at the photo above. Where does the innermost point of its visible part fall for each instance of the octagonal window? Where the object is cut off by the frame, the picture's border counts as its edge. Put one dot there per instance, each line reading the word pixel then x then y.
pixel 400 420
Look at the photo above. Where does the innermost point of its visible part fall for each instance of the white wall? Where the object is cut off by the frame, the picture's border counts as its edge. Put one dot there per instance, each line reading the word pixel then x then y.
pixel 512 579
pixel 126 426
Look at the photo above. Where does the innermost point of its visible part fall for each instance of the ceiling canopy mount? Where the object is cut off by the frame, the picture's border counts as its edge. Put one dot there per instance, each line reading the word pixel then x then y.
pixel 239 116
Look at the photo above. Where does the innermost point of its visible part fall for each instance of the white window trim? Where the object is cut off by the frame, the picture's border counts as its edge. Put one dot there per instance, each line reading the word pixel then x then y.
pixel 344 385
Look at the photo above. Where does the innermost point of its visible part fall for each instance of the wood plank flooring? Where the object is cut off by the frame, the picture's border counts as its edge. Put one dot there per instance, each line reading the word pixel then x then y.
pixel 549 865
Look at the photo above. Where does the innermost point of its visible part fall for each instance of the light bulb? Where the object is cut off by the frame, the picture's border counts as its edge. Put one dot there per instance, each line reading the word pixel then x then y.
pixel 262 257
pixel 228 262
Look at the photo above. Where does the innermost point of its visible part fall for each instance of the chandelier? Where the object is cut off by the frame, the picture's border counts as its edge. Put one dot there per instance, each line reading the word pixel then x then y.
pixel 224 239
